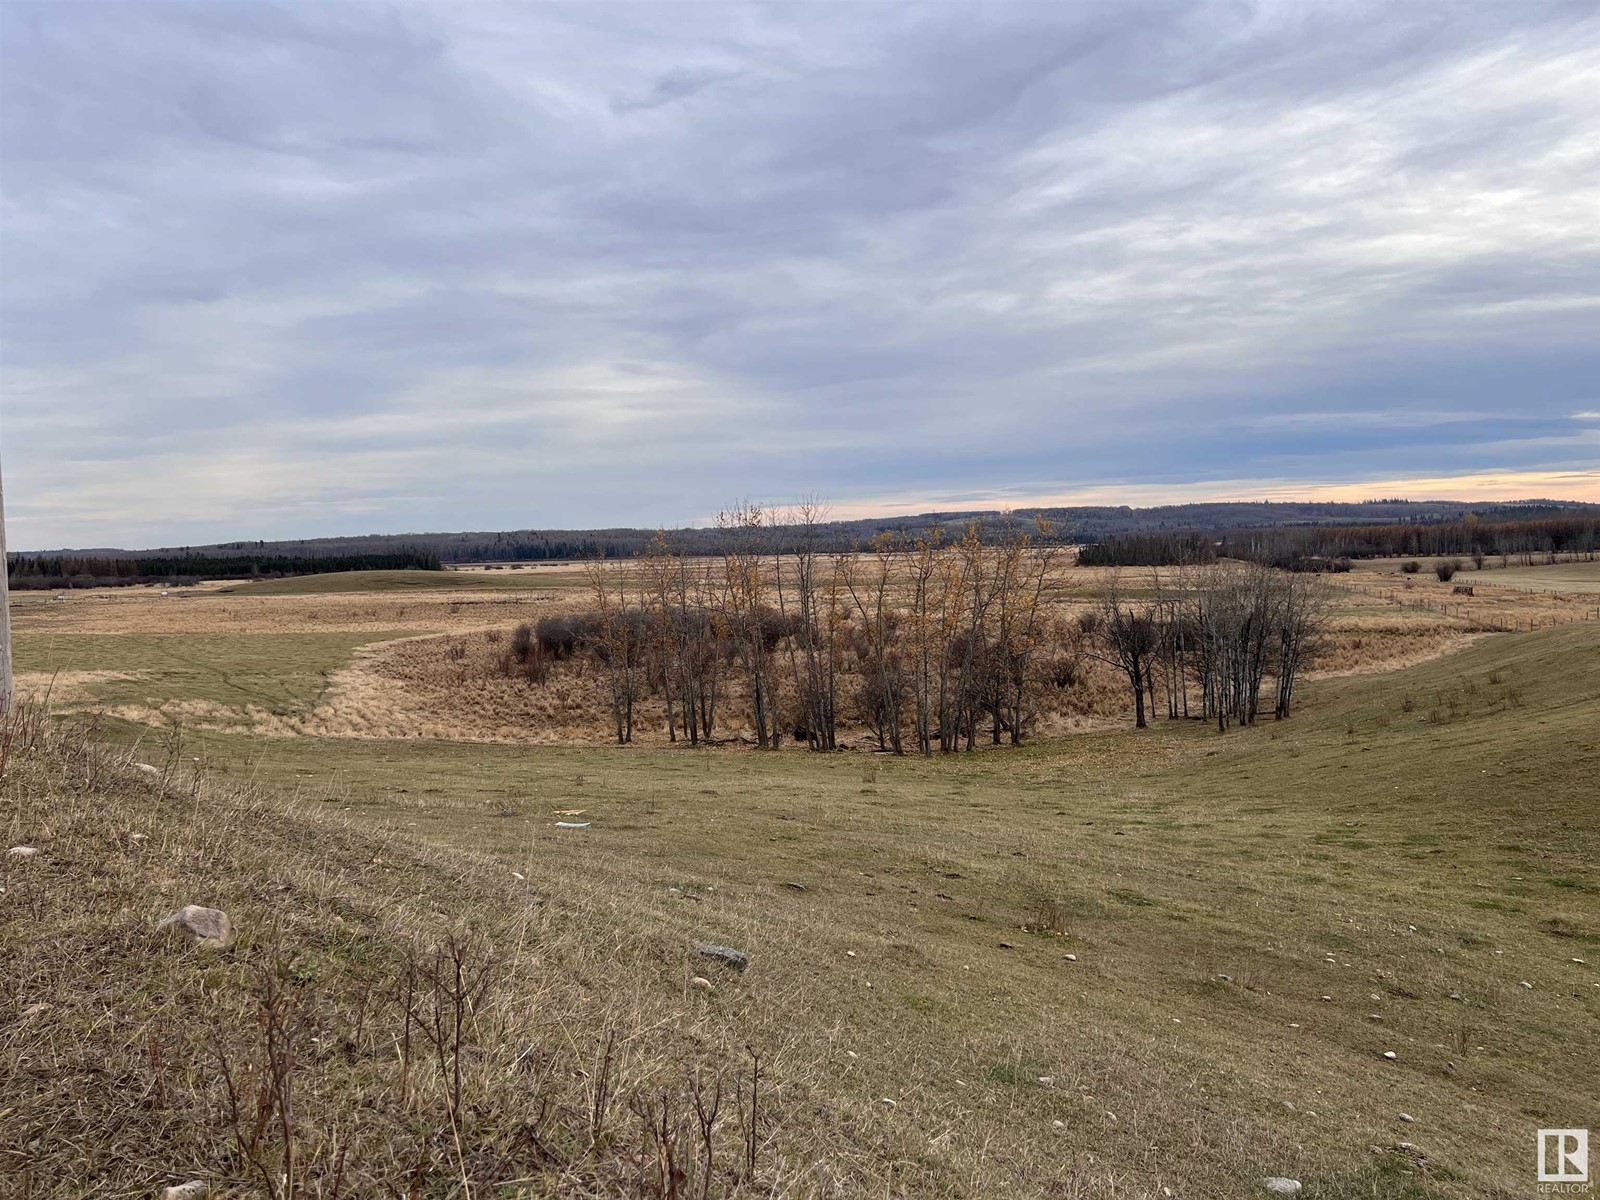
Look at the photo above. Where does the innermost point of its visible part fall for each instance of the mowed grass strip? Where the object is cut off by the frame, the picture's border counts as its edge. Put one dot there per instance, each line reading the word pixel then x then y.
pixel 1415 847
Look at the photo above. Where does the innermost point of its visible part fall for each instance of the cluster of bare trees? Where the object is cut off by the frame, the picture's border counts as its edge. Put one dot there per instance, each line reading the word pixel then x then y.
pixel 1205 640
pixel 929 644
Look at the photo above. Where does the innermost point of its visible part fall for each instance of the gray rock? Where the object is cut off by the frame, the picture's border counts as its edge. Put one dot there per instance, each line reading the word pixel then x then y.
pixel 154 773
pixel 195 1189
pixel 1278 1185
pixel 22 851
pixel 206 928
pixel 726 955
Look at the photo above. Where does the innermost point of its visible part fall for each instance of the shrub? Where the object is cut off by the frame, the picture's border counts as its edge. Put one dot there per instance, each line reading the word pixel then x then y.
pixel 522 643
pixel 1446 570
pixel 559 636
pixel 1477 560
pixel 1412 567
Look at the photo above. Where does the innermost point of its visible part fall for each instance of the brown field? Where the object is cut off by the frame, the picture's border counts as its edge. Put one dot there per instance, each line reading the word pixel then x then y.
pixel 415 661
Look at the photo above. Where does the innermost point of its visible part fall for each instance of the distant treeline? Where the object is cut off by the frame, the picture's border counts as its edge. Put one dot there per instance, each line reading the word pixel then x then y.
pixel 1332 547
pixel 1302 548
pixel 1149 550
pixel 47 572
pixel 1089 523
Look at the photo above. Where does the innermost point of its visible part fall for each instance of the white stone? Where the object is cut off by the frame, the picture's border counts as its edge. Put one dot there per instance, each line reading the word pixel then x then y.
pixel 1278 1185
pixel 195 1189
pixel 22 851
pixel 1390 1055
pixel 206 928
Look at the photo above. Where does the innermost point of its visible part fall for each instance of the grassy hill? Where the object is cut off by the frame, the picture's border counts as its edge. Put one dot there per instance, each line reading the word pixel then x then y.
pixel 1116 965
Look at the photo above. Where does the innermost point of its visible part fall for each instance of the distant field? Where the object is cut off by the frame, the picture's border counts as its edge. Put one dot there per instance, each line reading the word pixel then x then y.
pixel 420 654
pixel 397 581
pixel 1573 576
pixel 1581 578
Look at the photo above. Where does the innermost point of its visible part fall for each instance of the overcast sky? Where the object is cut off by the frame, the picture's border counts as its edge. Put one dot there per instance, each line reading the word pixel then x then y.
pixel 296 269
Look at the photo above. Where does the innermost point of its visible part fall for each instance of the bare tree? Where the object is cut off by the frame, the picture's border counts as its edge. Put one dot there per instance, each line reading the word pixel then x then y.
pixel 617 640
pixel 869 581
pixel 1130 637
pixel 813 606
pixel 750 627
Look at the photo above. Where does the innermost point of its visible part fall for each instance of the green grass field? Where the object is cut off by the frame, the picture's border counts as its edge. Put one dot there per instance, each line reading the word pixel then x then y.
pixel 1413 848
pixel 280 673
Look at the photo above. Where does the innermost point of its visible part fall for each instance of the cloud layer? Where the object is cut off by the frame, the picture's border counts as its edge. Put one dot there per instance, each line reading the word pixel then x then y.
pixel 287 269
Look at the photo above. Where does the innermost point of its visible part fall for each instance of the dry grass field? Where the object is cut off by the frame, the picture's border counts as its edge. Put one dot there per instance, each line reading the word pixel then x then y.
pixel 326 656
pixel 1164 963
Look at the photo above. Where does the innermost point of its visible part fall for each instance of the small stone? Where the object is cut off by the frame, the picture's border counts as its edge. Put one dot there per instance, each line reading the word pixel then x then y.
pixel 206 928
pixel 1390 1055
pixel 726 955
pixel 1326 999
pixel 849 953
pixel 1579 961
pixel 701 982
pixel 1374 1017
pixel 1278 1185
pixel 1070 957
pixel 195 1189
pixel 22 851
pixel 1407 1118
pixel 1527 985
pixel 1058 1124
pixel 147 769
pixel 1047 1081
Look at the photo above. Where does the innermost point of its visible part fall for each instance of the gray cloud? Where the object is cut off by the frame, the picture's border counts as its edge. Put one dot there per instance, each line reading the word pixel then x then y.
pixel 306 268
